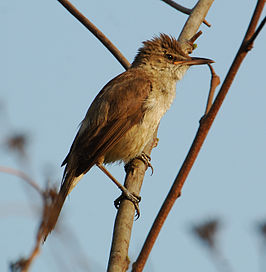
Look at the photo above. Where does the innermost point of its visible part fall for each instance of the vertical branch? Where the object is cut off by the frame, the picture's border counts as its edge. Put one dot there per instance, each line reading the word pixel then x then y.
pixel 118 260
pixel 195 19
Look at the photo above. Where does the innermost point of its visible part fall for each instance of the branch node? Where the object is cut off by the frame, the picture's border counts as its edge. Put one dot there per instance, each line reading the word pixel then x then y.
pixel 195 37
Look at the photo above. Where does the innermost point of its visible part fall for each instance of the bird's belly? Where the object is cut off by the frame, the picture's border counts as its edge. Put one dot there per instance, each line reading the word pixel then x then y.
pixel 133 142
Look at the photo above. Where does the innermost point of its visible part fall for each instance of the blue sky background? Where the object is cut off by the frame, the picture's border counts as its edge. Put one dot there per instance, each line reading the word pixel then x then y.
pixel 51 69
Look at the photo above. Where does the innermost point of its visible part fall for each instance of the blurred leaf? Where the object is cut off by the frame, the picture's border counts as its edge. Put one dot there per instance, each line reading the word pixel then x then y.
pixel 207 231
pixel 18 143
pixel 262 229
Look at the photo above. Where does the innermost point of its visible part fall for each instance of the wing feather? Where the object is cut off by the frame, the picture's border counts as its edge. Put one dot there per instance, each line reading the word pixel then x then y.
pixel 118 107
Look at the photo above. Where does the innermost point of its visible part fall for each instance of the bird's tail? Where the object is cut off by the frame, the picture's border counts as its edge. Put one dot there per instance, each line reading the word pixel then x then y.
pixel 53 211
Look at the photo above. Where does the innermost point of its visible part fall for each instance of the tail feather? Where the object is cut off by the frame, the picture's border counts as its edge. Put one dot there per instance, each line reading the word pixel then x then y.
pixel 55 208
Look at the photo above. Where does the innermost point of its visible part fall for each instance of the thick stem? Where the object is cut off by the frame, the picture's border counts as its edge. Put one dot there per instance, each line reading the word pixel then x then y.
pixel 124 221
pixel 195 19
pixel 118 260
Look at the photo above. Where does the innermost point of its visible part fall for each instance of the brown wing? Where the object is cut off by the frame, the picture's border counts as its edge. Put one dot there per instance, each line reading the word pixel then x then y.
pixel 113 112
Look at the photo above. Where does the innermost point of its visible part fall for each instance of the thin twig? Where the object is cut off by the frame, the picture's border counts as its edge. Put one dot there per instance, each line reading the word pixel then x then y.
pixel 96 32
pixel 23 176
pixel 183 9
pixel 195 37
pixel 202 132
pixel 23 264
pixel 254 36
pixel 215 81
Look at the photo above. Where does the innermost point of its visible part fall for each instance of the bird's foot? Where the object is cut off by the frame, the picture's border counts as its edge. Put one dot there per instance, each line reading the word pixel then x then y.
pixel 147 160
pixel 135 199
pixel 125 192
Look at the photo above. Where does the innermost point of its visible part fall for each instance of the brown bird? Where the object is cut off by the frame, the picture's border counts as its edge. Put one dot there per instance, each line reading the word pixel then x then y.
pixel 124 115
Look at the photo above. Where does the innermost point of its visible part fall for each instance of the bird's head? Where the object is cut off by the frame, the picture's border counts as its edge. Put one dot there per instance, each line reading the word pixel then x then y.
pixel 163 54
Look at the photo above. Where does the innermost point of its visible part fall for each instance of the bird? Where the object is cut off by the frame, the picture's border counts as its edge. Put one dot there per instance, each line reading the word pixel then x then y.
pixel 124 115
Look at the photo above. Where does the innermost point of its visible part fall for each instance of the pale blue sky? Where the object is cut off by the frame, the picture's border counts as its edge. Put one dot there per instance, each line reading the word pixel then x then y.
pixel 52 68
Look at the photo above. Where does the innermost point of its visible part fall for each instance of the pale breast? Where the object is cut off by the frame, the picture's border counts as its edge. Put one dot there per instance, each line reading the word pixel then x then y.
pixel 134 141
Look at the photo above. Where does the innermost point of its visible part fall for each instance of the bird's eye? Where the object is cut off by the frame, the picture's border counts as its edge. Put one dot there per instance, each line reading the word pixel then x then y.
pixel 169 56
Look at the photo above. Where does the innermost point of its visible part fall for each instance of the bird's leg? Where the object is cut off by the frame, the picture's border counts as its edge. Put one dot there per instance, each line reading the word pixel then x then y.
pixel 125 192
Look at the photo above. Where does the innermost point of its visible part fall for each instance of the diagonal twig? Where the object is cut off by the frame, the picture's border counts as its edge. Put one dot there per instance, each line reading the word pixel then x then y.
pixel 256 33
pixel 183 9
pixel 202 132
pixel 23 264
pixel 23 176
pixel 96 32
pixel 215 81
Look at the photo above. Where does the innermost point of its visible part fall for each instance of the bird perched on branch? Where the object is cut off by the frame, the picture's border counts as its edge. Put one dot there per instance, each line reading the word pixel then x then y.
pixel 124 115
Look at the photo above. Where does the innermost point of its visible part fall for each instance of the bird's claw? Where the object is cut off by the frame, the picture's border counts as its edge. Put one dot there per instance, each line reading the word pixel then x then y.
pixel 147 160
pixel 131 197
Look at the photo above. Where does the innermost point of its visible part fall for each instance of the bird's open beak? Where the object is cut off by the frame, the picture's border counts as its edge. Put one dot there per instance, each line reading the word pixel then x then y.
pixel 195 61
